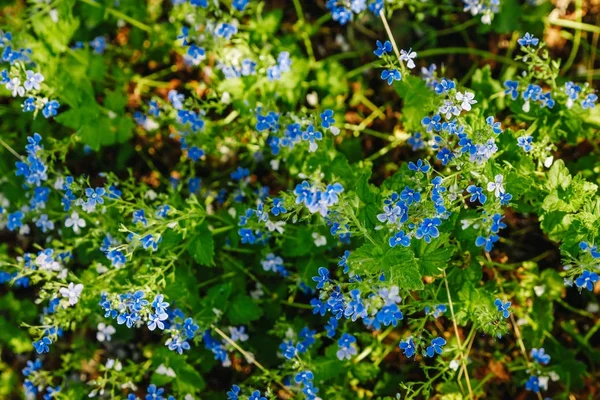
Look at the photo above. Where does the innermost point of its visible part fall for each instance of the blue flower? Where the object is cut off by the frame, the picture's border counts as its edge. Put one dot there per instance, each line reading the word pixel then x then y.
pixel 496 127
pixel 445 155
pixel 140 216
pixel 256 396
pixel 416 141
pixel 42 345
pixel 331 326
pixel 528 39
pixel 436 346
pixel 589 101
pixel 240 5
pixel 178 345
pixel 346 347
pixel 428 229
pixel 15 220
pixel 98 44
pixel 154 393
pixel 327 119
pixel 278 207
pixel 195 153
pixel 497 223
pixel 160 306
pixel 155 320
pixel 419 166
pixel 533 384
pixel 399 238
pixel 587 280
pixel 389 314
pixel 432 123
pixel 95 196
pixel 234 393
pixel 240 173
pixel 512 89
pixel 444 86
pixel 410 196
pixel 540 356
pixel 391 75
pixel 504 308
pixel 476 194
pixel 487 243
pixel 383 48
pixel 288 349
pixel 525 142
pixel 408 347
pixel 322 278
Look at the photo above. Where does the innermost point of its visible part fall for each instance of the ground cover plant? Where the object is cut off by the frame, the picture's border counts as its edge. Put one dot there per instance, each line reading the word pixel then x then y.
pixel 341 199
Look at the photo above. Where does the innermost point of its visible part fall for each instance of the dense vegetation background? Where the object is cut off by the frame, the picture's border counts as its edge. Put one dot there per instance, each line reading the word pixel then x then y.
pixel 215 198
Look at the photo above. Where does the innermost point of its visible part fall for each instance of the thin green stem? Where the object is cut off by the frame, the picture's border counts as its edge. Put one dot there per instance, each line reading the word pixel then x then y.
pixel 120 15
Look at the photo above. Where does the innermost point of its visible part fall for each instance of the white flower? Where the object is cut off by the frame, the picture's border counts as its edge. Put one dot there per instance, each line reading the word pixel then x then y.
pixel 162 370
pixel 275 226
pixel 454 364
pixel 320 240
pixel 75 222
pixel 72 292
pixel 33 80
pixel 408 57
pixel 15 85
pixel 497 187
pixel 466 100
pixel 104 332
pixel 112 363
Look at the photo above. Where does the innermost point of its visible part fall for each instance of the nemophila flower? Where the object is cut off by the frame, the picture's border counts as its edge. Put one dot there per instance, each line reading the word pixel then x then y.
pixel 14 85
pixel 311 135
pixel 436 346
pixel 533 384
pixel 416 141
pixel 496 127
pixel 29 105
pixel 528 40
pixel 497 223
pixel 95 196
pixel 466 100
pixel 256 396
pixel 234 393
pixel 419 166
pixel 383 48
pixel 389 314
pixel 98 44
pixel 512 89
pixel 589 101
pixel 444 85
pixel 322 278
pixel 346 347
pixel 391 75
pixel 140 216
pixel 476 193
pixel 14 220
pixel 32 366
pixel 432 123
pixel 44 223
pixel 42 346
pixel 408 347
pixel 155 321
pixel 540 356
pixel 75 222
pixel 525 142
pixel 497 185
pixel 33 80
pixel 105 332
pixel 194 153
pixel 408 57
pixel 486 242
pixel 438 310
pixel 410 196
pixel 327 118
pixel 587 280
pixel 399 238
pixel 428 229
pixel 72 292
pixel 503 307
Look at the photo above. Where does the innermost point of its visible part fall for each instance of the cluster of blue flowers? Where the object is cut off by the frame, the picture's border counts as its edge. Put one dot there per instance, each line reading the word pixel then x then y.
pixel 537 381
pixel 235 393
pixel 22 81
pixel 35 382
pixel 343 11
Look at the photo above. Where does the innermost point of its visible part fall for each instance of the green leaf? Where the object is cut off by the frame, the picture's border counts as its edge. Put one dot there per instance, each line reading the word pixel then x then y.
pixel 559 175
pixel 433 257
pixel 201 246
pixel 418 100
pixel 242 310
